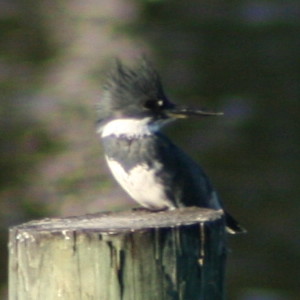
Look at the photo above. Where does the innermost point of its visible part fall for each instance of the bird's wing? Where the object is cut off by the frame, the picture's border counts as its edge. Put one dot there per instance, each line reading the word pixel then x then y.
pixel 190 185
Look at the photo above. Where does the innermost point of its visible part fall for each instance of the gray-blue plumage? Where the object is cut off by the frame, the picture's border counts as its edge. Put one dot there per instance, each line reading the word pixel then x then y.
pixel 153 171
pixel 182 179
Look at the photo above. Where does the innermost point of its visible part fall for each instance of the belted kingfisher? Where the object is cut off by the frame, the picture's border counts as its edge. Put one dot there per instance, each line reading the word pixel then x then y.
pixel 149 167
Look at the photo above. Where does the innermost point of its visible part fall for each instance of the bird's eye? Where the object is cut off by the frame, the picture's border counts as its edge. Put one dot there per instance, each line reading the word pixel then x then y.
pixel 154 104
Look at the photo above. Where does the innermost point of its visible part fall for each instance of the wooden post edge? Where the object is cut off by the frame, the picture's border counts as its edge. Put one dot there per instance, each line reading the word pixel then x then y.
pixel 127 255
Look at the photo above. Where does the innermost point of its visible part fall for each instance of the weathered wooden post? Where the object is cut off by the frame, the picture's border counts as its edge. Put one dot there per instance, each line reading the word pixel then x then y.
pixel 133 255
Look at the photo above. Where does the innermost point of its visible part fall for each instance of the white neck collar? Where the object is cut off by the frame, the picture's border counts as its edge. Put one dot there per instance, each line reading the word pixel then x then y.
pixel 130 128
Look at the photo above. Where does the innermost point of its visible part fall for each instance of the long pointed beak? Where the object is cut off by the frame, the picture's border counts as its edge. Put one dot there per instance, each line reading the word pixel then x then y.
pixel 185 112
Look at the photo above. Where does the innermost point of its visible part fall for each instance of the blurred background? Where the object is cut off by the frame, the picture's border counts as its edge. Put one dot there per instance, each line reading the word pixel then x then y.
pixel 240 57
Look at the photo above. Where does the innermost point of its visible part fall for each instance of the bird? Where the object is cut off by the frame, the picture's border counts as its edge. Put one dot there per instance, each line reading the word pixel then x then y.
pixel 155 172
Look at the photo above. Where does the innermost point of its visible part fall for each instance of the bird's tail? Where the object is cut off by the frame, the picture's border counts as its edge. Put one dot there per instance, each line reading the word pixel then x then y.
pixel 232 226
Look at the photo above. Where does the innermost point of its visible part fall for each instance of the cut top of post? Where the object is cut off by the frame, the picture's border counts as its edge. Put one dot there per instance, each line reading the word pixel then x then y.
pixel 111 222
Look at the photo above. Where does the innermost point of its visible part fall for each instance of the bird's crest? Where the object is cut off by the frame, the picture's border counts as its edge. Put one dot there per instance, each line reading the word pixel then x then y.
pixel 126 87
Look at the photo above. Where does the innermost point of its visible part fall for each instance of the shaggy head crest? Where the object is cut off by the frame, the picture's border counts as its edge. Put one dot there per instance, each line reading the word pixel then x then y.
pixel 130 91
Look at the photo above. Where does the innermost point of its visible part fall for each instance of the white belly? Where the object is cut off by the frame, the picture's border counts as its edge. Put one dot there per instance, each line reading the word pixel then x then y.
pixel 142 185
